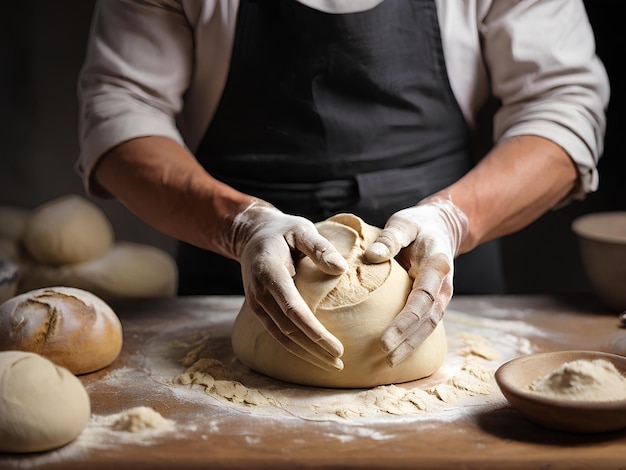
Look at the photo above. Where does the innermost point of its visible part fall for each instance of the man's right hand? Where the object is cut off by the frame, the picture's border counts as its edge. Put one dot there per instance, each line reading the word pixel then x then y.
pixel 267 242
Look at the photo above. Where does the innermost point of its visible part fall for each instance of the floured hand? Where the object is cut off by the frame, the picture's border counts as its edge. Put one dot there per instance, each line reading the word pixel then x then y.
pixel 433 230
pixel 265 240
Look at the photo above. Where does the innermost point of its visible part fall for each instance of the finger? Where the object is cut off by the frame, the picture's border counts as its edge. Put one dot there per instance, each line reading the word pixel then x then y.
pixel 396 235
pixel 298 312
pixel 285 306
pixel 286 333
pixel 426 288
pixel 321 251
pixel 292 343
pixel 416 334
pixel 410 319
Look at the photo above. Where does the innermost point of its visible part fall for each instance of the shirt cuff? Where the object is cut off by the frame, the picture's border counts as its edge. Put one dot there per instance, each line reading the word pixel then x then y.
pixel 113 132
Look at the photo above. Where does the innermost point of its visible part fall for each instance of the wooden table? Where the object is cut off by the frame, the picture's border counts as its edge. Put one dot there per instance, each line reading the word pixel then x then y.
pixel 210 434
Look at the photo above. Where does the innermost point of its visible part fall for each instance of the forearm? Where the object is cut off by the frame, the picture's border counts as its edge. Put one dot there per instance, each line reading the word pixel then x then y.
pixel 163 184
pixel 517 182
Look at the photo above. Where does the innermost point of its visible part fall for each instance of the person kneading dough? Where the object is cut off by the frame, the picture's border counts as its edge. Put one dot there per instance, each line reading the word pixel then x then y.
pixel 356 307
pixel 71 327
pixel 42 406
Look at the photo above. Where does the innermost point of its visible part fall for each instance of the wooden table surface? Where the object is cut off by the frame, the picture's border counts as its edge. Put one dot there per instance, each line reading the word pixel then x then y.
pixel 211 434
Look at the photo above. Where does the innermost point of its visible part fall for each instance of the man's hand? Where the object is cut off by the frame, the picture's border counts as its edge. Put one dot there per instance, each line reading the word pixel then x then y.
pixel 265 241
pixel 433 230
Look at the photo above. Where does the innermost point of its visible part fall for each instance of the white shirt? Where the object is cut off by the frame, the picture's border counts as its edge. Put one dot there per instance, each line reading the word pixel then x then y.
pixel 158 67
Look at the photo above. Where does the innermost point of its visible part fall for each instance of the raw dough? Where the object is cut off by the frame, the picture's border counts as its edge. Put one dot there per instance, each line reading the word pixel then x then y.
pixel 127 270
pixel 71 327
pixel 42 406
pixel 356 307
pixel 67 230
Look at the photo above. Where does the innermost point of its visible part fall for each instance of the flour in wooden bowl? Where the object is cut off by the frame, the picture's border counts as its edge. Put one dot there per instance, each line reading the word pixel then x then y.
pixel 584 380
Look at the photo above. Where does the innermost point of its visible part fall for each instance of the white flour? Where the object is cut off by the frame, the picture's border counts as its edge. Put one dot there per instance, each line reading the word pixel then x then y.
pixel 477 346
pixel 140 418
pixel 597 380
pixel 229 383
pixel 196 363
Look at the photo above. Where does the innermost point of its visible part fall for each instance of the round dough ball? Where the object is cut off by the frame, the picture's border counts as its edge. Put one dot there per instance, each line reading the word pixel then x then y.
pixel 42 406
pixel 357 307
pixel 71 327
pixel 128 270
pixel 68 230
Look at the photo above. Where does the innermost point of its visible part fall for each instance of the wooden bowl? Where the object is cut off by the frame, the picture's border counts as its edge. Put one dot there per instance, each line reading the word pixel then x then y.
pixel 514 377
pixel 602 247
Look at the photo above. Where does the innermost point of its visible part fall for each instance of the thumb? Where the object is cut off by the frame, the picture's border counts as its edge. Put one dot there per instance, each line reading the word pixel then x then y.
pixel 392 239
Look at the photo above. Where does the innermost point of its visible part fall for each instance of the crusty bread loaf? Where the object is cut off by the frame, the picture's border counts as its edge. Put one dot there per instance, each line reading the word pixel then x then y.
pixel 71 327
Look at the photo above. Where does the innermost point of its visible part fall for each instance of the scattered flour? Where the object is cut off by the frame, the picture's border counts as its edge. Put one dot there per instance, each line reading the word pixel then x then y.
pixel 223 382
pixel 196 363
pixel 478 345
pixel 219 379
pixel 597 380
pixel 139 419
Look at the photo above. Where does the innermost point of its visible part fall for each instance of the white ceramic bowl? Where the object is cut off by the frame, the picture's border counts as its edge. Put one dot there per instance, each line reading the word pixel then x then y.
pixel 602 243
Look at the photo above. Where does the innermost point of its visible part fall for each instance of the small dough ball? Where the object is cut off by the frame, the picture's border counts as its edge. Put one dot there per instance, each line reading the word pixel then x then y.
pixel 13 222
pixel 71 327
pixel 68 230
pixel 128 270
pixel 42 406
pixel 357 307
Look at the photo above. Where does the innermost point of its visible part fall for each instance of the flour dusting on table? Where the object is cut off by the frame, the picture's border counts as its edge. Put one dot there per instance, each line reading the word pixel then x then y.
pixel 197 361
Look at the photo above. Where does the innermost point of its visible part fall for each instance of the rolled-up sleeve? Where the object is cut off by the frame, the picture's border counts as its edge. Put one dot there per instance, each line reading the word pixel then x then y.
pixel 544 70
pixel 137 68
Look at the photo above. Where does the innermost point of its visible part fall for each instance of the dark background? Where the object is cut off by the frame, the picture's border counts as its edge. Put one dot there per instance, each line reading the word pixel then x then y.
pixel 42 45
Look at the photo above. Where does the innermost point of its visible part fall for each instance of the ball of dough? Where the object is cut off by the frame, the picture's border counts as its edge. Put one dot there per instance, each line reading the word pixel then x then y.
pixel 42 406
pixel 71 327
pixel 68 230
pixel 357 307
pixel 128 270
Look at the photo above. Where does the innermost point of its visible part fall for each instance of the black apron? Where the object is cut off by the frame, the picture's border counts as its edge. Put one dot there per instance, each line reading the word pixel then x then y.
pixel 326 113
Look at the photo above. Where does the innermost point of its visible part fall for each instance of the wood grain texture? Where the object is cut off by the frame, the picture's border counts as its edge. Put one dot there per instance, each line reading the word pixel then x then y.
pixel 211 436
